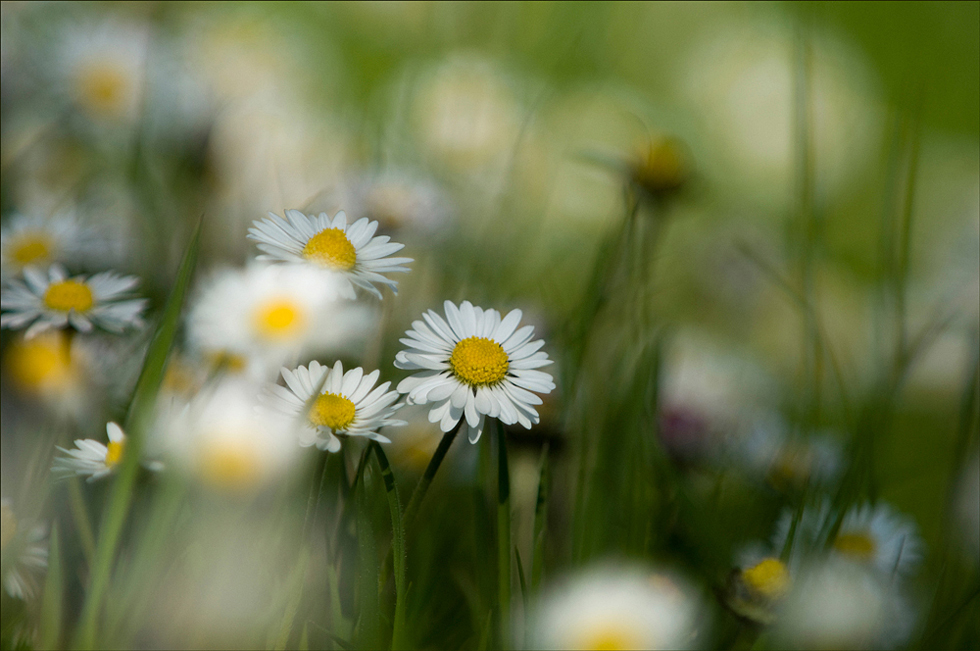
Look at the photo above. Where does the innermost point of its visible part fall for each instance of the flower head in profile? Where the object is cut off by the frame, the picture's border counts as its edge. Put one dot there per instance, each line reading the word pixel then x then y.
pixel 616 608
pixel 55 300
pixel 334 402
pixel 474 364
pixel 261 316
pixel 90 458
pixel 352 250
pixel 36 241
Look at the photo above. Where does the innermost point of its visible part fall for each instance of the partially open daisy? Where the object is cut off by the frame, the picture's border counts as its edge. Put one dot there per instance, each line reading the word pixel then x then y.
pixel 55 300
pixel 350 250
pixel 31 240
pixel 263 315
pixel 91 458
pixel 333 402
pixel 476 365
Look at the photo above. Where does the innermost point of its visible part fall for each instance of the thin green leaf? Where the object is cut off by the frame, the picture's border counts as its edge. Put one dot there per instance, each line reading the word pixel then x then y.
pixel 503 537
pixel 540 520
pixel 297 580
pixel 137 422
pixel 51 602
pixel 484 644
pixel 397 545
pixel 524 596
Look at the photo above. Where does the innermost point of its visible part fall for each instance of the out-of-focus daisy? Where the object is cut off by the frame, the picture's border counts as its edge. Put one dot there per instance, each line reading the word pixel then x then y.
pixel 767 450
pixel 476 365
pixel 661 167
pixel 616 608
pixel 263 315
pixel 91 458
pixel 397 201
pixel 333 402
pixel 837 604
pixel 350 250
pixel 43 364
pixel 31 240
pixel 755 590
pixel 103 70
pixel 224 440
pixel 56 300
pixel 28 552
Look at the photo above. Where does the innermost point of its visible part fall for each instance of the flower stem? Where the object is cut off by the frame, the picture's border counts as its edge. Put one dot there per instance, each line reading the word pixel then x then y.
pixel 503 538
pixel 430 472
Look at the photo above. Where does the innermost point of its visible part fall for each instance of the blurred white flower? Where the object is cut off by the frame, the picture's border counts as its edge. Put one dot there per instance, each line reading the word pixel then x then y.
pixel 476 365
pixel 756 589
pixel 92 458
pixel 266 314
pixel 352 252
pixel 837 604
pixel 29 551
pixel 56 301
pixel 332 402
pixel 617 608
pixel 397 201
pixel 32 240
pixel 768 450
pixel 223 440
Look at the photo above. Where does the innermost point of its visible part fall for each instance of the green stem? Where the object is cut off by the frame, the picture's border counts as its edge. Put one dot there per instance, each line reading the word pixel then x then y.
pixel 503 537
pixel 80 515
pixel 411 511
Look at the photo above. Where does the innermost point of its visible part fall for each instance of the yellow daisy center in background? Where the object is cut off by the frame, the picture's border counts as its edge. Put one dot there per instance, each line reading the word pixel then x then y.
pixel 331 248
pixel 44 361
pixel 102 88
pixel 612 637
pixel 226 465
pixel 859 545
pixel 30 247
pixel 69 295
pixel 114 452
pixel 333 411
pixel 479 361
pixel 769 578
pixel 279 319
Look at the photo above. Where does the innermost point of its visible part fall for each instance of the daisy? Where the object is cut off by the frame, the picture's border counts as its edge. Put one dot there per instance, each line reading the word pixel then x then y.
pixel 29 552
pixel 265 314
pixel 31 240
pixel 757 588
pixel 57 301
pixel 880 537
pixel 224 441
pixel 398 201
pixel 91 457
pixel 335 402
pixel 352 251
pixel 476 365
pixel 616 608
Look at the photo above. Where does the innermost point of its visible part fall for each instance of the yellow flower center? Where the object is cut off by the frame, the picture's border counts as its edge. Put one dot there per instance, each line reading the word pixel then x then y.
pixel 69 295
pixel 333 411
pixel 114 452
pixel 611 637
pixel 279 319
pixel 859 545
pixel 479 361
pixel 42 362
pixel 769 578
pixel 30 247
pixel 331 248
pixel 102 88
pixel 228 466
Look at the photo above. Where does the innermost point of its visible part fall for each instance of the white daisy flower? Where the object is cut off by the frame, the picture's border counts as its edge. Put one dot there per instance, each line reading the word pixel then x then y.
pixel 756 588
pixel 267 314
pixel 31 240
pixel 617 608
pixel 334 402
pixel 223 440
pixel 29 549
pixel 351 251
pixel 475 365
pixel 57 301
pixel 92 458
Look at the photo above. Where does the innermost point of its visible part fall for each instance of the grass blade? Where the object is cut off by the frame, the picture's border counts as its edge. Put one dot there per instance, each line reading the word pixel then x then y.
pixel 51 602
pixel 524 595
pixel 503 537
pixel 397 545
pixel 540 521
pixel 296 584
pixel 137 422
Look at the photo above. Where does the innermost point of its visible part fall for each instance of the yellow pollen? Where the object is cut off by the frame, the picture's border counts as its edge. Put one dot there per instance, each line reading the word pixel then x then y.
pixel 331 248
pixel 612 638
pixel 69 295
pixel 479 361
pixel 769 578
pixel 114 452
pixel 30 247
pixel 228 466
pixel 279 319
pixel 858 545
pixel 333 411
pixel 102 88
pixel 40 363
